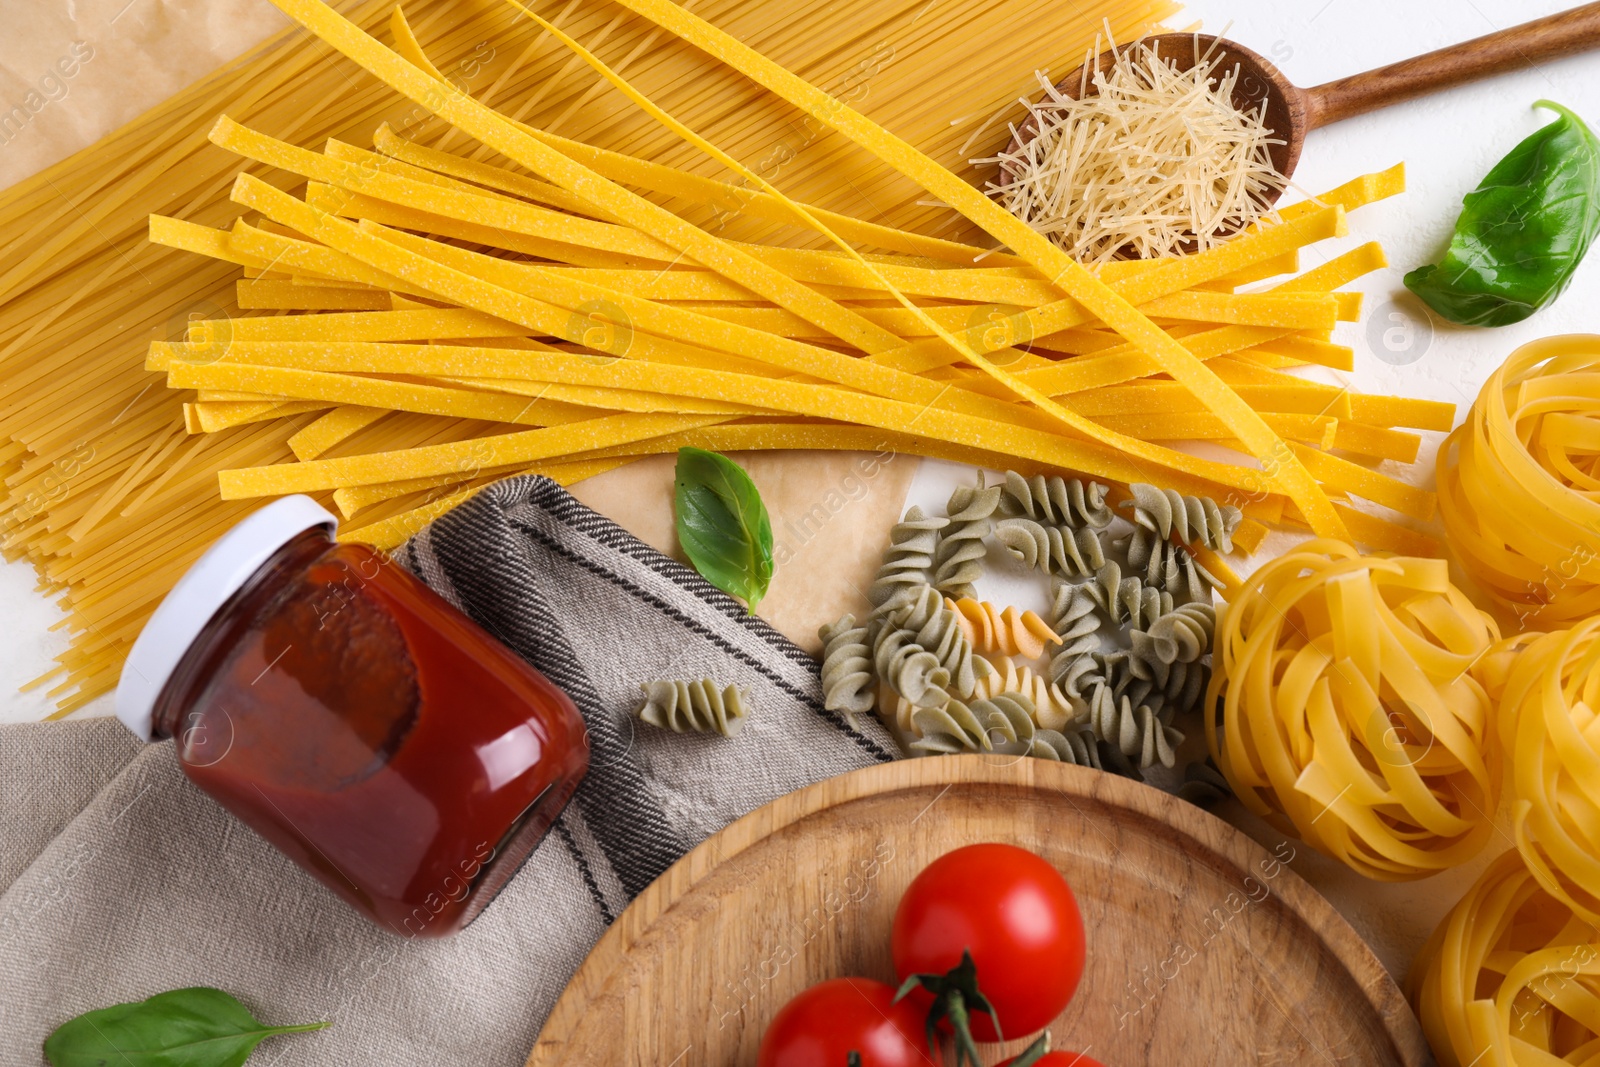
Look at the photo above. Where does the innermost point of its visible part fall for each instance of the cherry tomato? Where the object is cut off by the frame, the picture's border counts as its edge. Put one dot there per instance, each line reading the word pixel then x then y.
pixel 1018 918
pixel 823 1025
pixel 1060 1059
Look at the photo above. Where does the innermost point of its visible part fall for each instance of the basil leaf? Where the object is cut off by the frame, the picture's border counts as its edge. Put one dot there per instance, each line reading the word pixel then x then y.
pixel 723 525
pixel 1522 232
pixel 184 1028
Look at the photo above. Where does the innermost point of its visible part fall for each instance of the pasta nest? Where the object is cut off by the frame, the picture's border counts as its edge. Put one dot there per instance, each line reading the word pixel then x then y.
pixel 1518 483
pixel 1342 708
pixel 1510 977
pixel 1550 732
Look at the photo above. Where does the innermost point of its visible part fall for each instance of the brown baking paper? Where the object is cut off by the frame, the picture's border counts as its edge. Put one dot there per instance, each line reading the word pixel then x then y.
pixel 72 71
pixel 831 513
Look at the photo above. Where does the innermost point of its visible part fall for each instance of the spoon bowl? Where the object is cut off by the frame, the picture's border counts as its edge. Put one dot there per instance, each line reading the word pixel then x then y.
pixel 1293 112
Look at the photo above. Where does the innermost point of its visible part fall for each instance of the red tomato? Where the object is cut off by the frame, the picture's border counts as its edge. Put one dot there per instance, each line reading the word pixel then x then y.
pixel 1060 1059
pixel 1014 913
pixel 823 1025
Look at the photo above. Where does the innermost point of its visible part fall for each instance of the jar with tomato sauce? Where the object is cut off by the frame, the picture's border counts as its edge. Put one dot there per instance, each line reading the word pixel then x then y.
pixel 355 719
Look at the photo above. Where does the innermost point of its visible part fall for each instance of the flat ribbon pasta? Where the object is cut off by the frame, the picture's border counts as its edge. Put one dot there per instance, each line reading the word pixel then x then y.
pixel 1347 711
pixel 1519 489
pixel 1550 731
pixel 1511 978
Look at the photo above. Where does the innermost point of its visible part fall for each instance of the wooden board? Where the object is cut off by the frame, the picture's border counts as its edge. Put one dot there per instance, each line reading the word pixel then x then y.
pixel 1203 948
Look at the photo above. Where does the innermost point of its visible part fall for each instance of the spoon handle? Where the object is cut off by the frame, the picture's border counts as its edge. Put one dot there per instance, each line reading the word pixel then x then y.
pixel 1518 48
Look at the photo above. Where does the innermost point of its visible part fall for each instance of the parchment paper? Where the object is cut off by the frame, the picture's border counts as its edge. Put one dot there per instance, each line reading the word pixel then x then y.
pixel 72 71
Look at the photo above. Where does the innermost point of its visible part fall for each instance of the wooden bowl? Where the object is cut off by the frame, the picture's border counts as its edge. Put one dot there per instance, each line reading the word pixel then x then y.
pixel 1258 81
pixel 1203 948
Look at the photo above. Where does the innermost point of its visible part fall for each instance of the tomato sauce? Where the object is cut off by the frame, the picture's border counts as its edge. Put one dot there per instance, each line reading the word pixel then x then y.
pixel 374 734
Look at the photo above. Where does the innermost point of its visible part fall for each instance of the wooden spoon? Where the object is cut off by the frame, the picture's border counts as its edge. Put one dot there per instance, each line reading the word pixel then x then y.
pixel 1292 112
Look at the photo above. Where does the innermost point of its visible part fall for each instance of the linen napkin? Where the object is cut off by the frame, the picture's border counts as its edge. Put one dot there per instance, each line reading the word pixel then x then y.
pixel 121 880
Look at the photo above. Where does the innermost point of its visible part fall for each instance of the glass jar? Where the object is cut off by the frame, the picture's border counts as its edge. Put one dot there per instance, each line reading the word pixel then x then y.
pixel 355 719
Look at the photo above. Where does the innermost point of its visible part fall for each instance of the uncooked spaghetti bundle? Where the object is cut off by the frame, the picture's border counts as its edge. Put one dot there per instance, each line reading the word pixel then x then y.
pixel 1343 710
pixel 1551 736
pixel 1518 482
pixel 1511 977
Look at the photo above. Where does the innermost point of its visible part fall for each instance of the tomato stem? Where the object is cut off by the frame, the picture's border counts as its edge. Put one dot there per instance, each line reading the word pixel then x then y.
pixel 1034 1052
pixel 955 995
pixel 853 1058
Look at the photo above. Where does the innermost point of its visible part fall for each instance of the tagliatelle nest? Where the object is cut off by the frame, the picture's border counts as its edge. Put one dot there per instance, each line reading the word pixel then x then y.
pixel 1348 712
pixel 1147 161
pixel 1511 977
pixel 1551 735
pixel 1519 483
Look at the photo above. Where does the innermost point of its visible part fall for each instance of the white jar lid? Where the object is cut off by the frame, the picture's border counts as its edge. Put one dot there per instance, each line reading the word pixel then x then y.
pixel 199 595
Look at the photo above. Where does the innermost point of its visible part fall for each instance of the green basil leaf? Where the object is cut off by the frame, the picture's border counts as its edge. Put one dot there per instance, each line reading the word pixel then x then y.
pixel 723 525
pixel 184 1028
pixel 1522 232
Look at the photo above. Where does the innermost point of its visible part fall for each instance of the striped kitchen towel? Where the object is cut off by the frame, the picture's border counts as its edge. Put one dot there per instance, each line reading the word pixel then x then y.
pixel 120 880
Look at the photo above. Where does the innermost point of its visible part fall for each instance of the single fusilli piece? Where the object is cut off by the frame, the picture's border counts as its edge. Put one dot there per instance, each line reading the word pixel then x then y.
pixel 698 706
pixel 906 565
pixel 958 559
pixel 1195 519
pixel 846 668
pixel 1127 600
pixel 1012 730
pixel 1056 501
pixel 1075 618
pixel 909 669
pixel 1074 746
pixel 934 626
pixel 1182 635
pixel 949 728
pixel 1003 724
pixel 1168 566
pixel 1179 687
pixel 1053 709
pixel 1052 549
pixel 993 630
pixel 1138 732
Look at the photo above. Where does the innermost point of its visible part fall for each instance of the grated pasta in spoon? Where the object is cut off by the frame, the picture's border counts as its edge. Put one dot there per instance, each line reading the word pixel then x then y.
pixel 1150 161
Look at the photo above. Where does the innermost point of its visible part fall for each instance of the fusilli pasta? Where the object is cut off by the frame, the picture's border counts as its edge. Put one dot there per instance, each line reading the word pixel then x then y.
pixel 1165 565
pixel 909 669
pixel 698 706
pixel 1195 519
pixel 912 543
pixel 846 668
pixel 1057 501
pixel 991 629
pixel 1182 635
pixel 1127 600
pixel 1051 549
pixel 1140 733
pixel 935 627
pixel 958 559
pixel 1076 620
pixel 1012 731
pixel 1053 709
pixel 951 727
